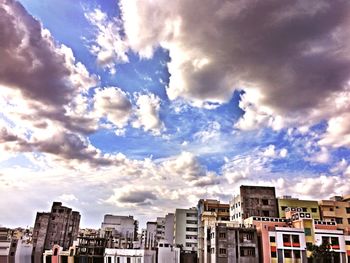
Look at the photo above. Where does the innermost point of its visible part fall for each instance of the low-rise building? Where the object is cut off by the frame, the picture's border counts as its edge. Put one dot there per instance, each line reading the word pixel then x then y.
pixel 306 206
pixel 337 209
pixel 113 255
pixel 167 253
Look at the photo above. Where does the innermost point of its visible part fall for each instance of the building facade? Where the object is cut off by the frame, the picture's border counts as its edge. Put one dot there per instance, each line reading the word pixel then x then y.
pixel 253 201
pixel 337 209
pixel 60 226
pixel 186 229
pixel 209 210
pixel 231 243
pixel 306 206
pixel 120 231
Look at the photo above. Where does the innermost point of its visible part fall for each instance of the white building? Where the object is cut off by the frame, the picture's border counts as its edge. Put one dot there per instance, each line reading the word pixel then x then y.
pixel 186 228
pixel 167 253
pixel 151 231
pixel 113 255
pixel 123 229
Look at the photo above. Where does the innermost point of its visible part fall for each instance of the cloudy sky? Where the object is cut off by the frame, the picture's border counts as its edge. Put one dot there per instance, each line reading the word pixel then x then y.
pixel 140 107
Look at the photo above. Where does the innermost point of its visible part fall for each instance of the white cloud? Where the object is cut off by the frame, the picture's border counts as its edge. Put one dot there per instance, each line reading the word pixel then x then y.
pixel 112 103
pixel 108 46
pixel 67 197
pixel 147 113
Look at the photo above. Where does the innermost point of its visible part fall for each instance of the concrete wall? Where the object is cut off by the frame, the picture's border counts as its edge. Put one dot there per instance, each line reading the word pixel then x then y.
pixel 182 216
pixel 308 205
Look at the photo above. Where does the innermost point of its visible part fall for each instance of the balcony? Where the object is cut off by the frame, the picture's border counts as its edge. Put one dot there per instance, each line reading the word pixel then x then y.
pixel 328 213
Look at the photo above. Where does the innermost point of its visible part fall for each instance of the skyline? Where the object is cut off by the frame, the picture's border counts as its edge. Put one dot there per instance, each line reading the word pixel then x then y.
pixel 140 107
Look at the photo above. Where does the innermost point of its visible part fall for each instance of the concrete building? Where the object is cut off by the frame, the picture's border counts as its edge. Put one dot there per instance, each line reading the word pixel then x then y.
pixel 60 226
pixel 14 249
pixel 337 209
pixel 209 210
pixel 306 206
pixel 58 255
pixel 151 232
pixel 286 239
pixel 121 231
pixel 113 255
pixel 253 201
pixel 186 229
pixel 169 228
pixel 230 242
pixel 90 249
pixel 167 253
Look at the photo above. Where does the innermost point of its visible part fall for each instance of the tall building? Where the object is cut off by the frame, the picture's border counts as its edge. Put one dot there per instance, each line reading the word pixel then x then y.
pixel 253 201
pixel 337 209
pixel 186 229
pixel 209 210
pixel 151 232
pixel 120 231
pixel 306 206
pixel 60 226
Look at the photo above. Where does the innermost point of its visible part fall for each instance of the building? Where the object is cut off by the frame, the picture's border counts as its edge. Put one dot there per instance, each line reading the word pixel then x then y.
pixel 230 242
pixel 253 201
pixel 186 229
pixel 15 248
pixel 113 255
pixel 209 210
pixel 169 228
pixel 121 231
pixel 151 232
pixel 90 249
pixel 60 226
pixel 58 255
pixel 287 239
pixel 337 209
pixel 306 206
pixel 167 253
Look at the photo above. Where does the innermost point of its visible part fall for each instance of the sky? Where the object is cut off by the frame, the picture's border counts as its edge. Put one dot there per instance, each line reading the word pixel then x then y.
pixel 139 107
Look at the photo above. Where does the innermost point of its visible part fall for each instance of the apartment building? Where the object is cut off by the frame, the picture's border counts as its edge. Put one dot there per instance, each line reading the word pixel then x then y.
pixel 186 229
pixel 60 226
pixel 230 242
pixel 253 201
pixel 209 210
pixel 14 248
pixel 306 206
pixel 165 228
pixel 337 209
pixel 121 231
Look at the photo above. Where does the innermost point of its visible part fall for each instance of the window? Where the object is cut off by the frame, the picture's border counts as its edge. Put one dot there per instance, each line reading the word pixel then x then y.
pixel 348 210
pixel 265 213
pixel 265 201
pixel 222 235
pixel 222 250
pixel 334 241
pixel 247 252
pixel 313 210
pixel 55 252
pixel 339 220
pixel 304 209
pixel 166 245
pixel 287 253
pixel 191 229
pixel 272 239
pixel 295 240
pixel 286 240
pixel 307 231
pixel 331 209
pixel 283 208
pixel 273 254
pixel 12 254
pixel 118 259
pixel 348 220
pixel 347 242
pixel 128 260
pixel 296 254
pixel 193 222
pixel 191 215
